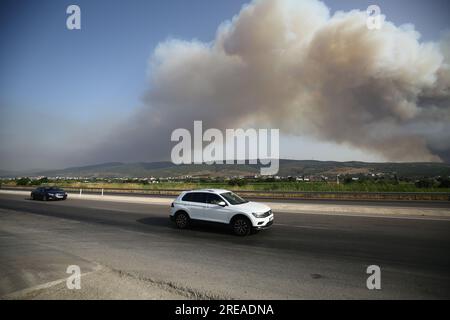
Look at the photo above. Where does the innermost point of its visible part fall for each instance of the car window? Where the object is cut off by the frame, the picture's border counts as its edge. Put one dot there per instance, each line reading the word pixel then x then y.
pixel 195 197
pixel 233 198
pixel 200 197
pixel 188 197
pixel 213 198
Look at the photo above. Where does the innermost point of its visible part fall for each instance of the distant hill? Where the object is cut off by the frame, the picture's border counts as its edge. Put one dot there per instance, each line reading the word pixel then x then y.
pixel 287 168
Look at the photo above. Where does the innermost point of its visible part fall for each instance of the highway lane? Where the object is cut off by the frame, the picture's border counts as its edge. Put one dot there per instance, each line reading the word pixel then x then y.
pixel 302 256
pixel 369 203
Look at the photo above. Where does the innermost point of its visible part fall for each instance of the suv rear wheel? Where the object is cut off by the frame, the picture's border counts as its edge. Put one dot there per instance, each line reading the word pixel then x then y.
pixel 241 226
pixel 182 220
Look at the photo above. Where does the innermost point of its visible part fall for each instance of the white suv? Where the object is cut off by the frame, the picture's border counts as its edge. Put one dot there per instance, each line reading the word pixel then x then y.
pixel 221 206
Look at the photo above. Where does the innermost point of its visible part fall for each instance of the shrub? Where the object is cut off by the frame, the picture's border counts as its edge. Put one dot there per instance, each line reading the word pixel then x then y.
pixel 23 181
pixel 237 182
pixel 424 183
pixel 43 180
pixel 444 183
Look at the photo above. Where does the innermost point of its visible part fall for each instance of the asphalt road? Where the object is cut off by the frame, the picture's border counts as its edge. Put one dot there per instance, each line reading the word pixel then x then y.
pixel 303 256
pixel 356 202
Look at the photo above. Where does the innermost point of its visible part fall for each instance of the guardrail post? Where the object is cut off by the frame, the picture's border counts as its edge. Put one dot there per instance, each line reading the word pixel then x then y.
pixel 102 192
pixel 80 192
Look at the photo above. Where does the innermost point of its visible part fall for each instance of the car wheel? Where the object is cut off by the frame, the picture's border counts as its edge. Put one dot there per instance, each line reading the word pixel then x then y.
pixel 241 226
pixel 182 220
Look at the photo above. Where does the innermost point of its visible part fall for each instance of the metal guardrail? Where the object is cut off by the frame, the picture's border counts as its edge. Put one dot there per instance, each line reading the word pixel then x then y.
pixel 272 195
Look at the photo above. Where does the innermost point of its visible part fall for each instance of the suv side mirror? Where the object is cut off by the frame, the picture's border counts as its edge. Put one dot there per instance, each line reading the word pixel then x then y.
pixel 222 204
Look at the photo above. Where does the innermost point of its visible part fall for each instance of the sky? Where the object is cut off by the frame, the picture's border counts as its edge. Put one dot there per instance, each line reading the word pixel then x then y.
pixel 65 93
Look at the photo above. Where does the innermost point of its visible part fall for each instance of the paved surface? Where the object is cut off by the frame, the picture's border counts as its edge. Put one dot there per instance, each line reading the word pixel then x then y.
pixel 356 208
pixel 130 250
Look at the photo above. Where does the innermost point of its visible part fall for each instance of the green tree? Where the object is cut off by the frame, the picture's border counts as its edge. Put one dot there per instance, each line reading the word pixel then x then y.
pixel 23 181
pixel 424 183
pixel 348 179
pixel 444 183
pixel 43 180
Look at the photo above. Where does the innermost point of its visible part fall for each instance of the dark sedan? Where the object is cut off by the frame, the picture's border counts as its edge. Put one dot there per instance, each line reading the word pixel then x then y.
pixel 48 193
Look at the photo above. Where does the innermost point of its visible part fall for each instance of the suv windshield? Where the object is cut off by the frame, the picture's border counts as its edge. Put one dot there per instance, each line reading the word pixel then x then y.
pixel 233 199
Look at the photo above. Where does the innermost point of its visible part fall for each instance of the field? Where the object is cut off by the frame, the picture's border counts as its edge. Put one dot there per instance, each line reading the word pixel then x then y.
pixel 369 186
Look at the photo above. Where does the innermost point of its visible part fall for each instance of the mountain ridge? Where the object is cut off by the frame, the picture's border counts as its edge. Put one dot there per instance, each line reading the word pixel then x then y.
pixel 287 168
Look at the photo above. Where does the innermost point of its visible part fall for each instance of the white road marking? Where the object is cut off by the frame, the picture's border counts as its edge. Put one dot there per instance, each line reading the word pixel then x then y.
pixel 428 218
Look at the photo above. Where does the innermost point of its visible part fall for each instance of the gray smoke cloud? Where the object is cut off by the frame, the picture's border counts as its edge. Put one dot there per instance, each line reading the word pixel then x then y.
pixel 288 64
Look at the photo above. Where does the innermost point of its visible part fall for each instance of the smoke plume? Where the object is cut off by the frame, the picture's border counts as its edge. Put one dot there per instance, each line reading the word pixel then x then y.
pixel 289 64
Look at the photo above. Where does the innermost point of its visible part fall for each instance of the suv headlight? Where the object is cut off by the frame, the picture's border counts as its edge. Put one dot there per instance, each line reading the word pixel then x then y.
pixel 258 215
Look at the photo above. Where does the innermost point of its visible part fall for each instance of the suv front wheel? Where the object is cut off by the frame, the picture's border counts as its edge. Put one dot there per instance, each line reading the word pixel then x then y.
pixel 241 226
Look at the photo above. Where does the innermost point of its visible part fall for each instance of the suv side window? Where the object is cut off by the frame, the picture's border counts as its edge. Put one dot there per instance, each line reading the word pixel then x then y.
pixel 213 198
pixel 200 197
pixel 195 197
pixel 188 197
